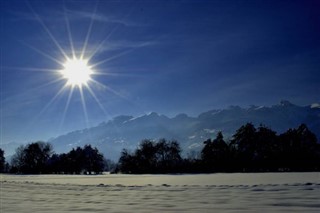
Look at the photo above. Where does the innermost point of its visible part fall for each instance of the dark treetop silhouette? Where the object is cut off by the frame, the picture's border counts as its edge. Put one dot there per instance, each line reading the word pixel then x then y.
pixel 250 150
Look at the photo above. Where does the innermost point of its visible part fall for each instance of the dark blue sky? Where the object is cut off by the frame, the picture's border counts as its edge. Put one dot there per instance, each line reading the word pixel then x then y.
pixel 163 56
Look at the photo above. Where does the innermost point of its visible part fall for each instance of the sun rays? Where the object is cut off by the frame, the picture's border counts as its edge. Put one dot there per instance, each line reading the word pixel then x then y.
pixel 76 73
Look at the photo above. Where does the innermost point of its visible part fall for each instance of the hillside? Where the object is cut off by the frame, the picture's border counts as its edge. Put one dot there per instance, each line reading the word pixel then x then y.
pixel 127 131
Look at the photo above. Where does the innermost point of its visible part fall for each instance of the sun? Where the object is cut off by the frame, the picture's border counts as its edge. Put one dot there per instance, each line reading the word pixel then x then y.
pixel 77 72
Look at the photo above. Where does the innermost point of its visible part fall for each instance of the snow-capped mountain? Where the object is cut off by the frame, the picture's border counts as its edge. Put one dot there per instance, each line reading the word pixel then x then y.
pixel 127 131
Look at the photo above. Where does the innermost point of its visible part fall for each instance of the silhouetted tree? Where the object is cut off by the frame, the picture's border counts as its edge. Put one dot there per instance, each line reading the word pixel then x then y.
pixel 2 161
pixel 267 149
pixel 150 157
pixel 299 149
pixel 250 149
pixel 262 150
pixel 245 139
pixel 31 158
pixel 79 160
pixel 146 157
pixel 36 156
pixel 93 161
pixel 17 160
pixel 167 156
pixel 215 154
pixel 127 162
pixel 244 146
pixel 54 164
pixel 63 164
pixel 75 160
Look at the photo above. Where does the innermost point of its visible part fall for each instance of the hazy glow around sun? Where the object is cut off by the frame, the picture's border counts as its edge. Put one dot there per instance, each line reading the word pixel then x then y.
pixel 77 72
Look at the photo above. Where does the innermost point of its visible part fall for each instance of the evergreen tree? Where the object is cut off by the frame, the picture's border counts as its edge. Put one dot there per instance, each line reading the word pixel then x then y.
pixel 299 149
pixel 244 147
pixel 267 149
pixel 215 154
pixel 93 161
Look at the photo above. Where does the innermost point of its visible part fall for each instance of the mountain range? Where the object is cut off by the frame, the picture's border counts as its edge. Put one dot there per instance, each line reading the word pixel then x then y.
pixel 127 131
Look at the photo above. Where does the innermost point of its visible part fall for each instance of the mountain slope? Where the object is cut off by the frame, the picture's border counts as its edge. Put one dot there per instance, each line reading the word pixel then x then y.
pixel 127 131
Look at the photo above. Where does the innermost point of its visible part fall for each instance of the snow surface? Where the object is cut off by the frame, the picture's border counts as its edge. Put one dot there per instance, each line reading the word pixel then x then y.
pixel 315 105
pixel 270 192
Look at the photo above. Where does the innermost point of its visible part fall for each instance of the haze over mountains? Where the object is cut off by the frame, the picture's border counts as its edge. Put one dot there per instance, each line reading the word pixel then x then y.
pixel 127 131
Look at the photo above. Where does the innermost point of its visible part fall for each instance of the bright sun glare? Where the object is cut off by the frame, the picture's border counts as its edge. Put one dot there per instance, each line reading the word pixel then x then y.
pixel 77 72
pixel 75 69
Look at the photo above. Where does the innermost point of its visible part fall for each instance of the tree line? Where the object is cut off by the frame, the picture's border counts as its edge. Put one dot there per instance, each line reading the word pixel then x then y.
pixel 262 150
pixel 39 158
pixel 250 149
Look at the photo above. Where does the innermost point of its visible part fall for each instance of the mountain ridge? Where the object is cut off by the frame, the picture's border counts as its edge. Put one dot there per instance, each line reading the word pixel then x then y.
pixel 126 131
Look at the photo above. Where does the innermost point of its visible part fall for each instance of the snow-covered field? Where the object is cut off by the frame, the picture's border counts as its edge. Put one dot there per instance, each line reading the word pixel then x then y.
pixel 256 192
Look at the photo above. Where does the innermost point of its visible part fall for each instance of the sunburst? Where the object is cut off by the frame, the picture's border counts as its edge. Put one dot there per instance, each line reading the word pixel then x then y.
pixel 75 68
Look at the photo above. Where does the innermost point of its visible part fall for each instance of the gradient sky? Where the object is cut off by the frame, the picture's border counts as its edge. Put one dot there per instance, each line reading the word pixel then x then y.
pixel 164 56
